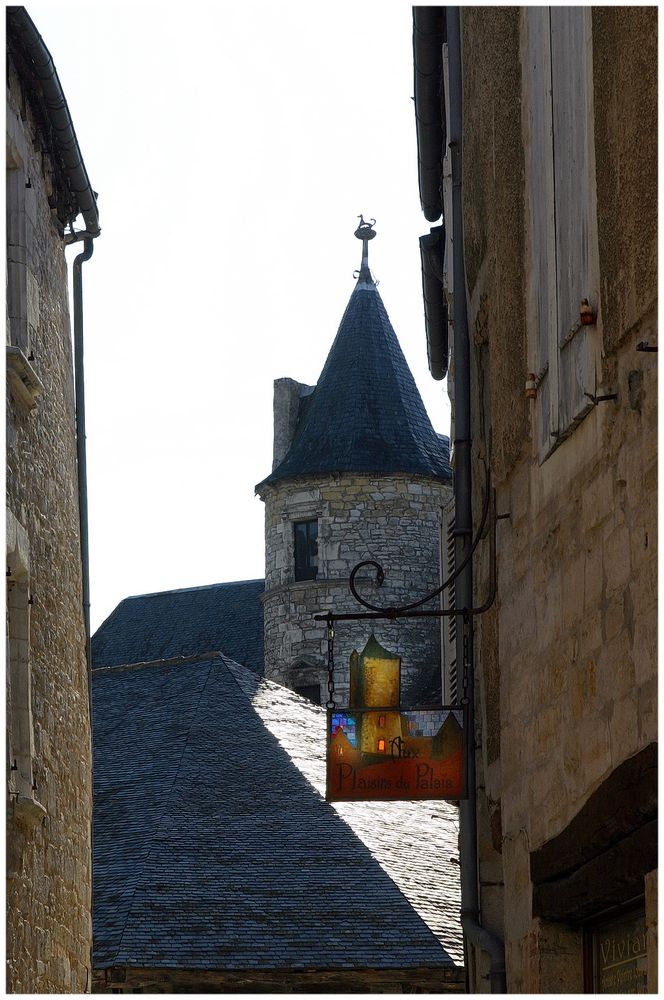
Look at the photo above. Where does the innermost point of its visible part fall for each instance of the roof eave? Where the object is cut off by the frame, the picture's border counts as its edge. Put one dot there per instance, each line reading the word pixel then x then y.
pixel 62 141
pixel 435 301
pixel 429 34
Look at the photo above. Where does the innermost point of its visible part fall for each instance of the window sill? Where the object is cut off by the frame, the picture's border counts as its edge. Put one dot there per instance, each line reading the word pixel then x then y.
pixel 27 809
pixel 24 383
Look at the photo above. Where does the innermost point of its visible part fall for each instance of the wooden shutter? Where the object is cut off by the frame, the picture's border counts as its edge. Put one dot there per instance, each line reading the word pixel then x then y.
pixel 575 215
pixel 561 209
pixel 541 276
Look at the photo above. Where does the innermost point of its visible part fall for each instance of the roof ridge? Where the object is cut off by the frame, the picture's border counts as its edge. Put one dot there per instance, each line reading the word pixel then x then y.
pixel 183 590
pixel 213 654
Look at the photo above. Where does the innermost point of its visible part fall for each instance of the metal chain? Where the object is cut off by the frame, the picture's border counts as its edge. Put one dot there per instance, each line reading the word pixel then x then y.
pixel 330 664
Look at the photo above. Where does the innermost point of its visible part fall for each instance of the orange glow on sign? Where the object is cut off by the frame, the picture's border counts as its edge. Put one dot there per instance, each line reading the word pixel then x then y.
pixel 421 755
pixel 377 750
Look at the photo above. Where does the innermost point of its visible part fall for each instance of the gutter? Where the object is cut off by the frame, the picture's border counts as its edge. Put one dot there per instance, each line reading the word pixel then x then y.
pixel 429 35
pixel 474 932
pixel 54 106
pixel 432 252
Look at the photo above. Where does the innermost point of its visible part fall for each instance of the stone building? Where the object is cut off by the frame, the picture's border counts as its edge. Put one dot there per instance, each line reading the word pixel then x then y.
pixel 49 787
pixel 358 474
pixel 536 143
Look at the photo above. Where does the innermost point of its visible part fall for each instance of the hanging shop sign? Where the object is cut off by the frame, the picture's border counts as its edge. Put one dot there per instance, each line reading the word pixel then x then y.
pixel 388 754
pixel 377 750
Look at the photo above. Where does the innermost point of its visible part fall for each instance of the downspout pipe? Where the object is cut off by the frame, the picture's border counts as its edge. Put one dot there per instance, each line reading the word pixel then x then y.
pixel 79 382
pixel 474 932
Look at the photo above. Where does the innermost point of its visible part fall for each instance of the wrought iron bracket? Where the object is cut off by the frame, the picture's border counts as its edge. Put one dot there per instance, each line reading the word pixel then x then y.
pixel 411 610
pixel 600 399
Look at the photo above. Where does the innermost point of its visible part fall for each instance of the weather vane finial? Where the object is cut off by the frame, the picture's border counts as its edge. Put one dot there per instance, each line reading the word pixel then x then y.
pixel 365 232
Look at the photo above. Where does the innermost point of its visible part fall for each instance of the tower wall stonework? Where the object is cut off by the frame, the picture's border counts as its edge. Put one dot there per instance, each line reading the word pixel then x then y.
pixel 49 802
pixel 393 520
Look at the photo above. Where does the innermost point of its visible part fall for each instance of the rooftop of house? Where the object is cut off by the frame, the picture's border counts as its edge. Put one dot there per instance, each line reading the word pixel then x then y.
pixel 224 617
pixel 216 850
pixel 365 414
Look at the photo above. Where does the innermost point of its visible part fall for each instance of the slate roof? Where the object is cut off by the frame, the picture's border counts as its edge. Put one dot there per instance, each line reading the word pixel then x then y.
pixel 223 616
pixel 214 848
pixel 365 414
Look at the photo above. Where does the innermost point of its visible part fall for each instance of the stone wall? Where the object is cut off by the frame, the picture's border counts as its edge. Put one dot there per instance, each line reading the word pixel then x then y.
pixel 566 660
pixel 49 792
pixel 394 521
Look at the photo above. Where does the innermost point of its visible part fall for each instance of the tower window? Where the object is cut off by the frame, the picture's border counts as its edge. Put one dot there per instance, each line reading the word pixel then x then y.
pixel 310 691
pixel 306 549
pixel 381 721
pixel 381 746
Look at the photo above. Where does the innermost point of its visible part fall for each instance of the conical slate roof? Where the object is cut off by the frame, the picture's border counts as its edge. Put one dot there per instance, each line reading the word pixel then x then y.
pixel 365 414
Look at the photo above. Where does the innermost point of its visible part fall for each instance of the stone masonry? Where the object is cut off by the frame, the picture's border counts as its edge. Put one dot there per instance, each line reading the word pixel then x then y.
pixel 393 520
pixel 566 660
pixel 49 800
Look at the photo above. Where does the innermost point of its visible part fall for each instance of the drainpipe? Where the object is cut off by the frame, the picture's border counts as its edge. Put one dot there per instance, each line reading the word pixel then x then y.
pixel 474 933
pixel 88 247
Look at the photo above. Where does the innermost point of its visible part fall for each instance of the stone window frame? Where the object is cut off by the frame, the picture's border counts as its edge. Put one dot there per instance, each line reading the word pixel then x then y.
pixel 22 290
pixel 296 511
pixel 17 250
pixel 562 250
pixel 20 725
pixel 307 671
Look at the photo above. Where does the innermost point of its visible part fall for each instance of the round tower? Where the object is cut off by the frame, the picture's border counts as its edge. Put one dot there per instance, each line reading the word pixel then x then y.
pixel 358 473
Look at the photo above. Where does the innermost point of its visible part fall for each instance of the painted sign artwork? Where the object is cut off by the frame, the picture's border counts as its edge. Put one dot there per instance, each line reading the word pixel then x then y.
pixel 386 754
pixel 378 750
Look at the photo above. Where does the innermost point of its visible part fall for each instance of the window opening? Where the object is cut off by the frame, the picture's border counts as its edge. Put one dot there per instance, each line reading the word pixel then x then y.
pixel 306 550
pixel 21 740
pixel 310 691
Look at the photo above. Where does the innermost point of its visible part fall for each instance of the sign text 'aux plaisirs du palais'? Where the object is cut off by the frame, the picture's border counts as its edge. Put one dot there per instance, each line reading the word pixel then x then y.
pixel 378 750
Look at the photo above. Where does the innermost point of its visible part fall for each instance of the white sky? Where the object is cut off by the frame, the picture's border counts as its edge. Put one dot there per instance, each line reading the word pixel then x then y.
pixel 233 146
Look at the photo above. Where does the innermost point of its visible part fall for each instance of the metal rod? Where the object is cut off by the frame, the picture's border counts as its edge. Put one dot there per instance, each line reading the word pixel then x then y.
pixel 392 614
pixel 470 898
pixel 380 575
